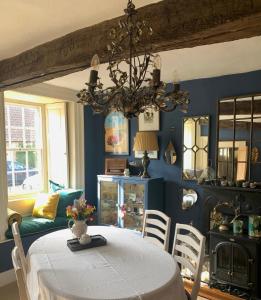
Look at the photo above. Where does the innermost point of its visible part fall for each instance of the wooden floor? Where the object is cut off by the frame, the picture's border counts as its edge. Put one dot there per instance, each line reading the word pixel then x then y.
pixel 10 292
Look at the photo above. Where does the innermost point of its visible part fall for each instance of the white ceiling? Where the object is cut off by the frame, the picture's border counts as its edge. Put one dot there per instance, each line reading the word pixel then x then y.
pixel 28 23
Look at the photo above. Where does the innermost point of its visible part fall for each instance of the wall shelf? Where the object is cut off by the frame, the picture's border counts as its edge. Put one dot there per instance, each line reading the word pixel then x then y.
pixel 230 188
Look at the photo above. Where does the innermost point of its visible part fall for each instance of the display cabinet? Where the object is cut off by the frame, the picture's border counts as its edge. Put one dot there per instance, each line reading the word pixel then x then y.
pixel 123 200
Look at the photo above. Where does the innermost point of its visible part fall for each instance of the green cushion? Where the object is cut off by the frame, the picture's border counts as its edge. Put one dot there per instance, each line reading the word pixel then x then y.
pixel 66 198
pixel 31 225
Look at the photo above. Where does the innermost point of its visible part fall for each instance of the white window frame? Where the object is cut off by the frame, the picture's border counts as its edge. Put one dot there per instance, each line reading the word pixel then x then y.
pixel 44 172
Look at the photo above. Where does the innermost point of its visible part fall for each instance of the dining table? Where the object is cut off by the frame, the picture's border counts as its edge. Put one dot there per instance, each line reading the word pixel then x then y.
pixel 127 267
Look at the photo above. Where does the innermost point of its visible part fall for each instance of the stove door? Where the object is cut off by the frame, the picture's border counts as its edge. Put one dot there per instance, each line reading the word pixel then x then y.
pixel 223 261
pixel 240 266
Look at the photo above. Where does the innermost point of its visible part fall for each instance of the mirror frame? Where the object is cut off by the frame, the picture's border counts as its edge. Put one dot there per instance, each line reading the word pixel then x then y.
pixel 250 148
pixel 183 150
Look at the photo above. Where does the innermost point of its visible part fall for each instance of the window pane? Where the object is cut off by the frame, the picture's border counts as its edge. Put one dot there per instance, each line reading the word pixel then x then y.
pixel 30 138
pixel 15 113
pixel 16 138
pixel 23 145
pixel 30 115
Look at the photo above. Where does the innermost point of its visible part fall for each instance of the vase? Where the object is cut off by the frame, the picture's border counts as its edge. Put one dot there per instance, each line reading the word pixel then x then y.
pixel 78 228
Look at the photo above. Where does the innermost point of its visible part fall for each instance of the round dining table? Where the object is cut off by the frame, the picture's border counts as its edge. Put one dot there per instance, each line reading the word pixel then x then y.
pixel 127 267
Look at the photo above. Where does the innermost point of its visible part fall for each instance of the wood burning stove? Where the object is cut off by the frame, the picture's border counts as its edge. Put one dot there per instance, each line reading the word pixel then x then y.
pixel 234 264
pixel 235 259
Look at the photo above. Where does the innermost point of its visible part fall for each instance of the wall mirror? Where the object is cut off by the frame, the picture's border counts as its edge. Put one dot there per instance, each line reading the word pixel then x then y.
pixel 170 155
pixel 190 197
pixel 195 146
pixel 239 138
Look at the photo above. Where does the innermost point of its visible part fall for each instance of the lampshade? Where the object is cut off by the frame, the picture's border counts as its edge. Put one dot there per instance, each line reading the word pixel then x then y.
pixel 146 141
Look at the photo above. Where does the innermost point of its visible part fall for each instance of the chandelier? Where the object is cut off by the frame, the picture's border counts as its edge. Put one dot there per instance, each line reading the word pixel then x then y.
pixel 136 77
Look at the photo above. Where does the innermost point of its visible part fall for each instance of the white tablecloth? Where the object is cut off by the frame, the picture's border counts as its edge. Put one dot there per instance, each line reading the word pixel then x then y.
pixel 128 267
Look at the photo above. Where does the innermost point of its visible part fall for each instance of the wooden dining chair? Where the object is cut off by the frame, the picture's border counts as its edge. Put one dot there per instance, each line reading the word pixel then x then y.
pixel 19 245
pixel 21 281
pixel 189 251
pixel 156 228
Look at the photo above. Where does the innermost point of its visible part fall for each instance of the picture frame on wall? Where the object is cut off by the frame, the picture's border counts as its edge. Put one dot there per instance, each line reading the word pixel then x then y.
pixel 151 154
pixel 116 137
pixel 149 120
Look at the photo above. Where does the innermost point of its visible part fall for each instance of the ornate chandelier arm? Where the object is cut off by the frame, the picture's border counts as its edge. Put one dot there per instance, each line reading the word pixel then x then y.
pixel 143 71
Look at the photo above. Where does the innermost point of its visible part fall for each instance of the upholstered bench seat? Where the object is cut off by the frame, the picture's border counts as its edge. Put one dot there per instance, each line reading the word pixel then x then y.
pixel 31 225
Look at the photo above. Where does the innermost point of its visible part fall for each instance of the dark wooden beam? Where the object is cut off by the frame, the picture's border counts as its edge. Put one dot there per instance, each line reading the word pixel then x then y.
pixel 176 24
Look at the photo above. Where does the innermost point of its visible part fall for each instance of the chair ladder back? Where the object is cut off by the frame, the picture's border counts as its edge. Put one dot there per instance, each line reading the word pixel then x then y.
pixel 190 252
pixel 19 245
pixel 16 259
pixel 156 230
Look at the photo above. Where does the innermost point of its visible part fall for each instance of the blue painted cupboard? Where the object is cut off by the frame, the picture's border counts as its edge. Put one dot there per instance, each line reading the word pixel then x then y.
pixel 122 200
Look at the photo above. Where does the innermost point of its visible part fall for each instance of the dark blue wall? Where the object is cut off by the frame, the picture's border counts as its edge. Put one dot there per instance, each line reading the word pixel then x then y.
pixel 204 94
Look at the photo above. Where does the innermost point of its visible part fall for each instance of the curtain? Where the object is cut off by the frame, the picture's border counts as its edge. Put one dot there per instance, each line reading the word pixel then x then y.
pixel 76 144
pixel 3 176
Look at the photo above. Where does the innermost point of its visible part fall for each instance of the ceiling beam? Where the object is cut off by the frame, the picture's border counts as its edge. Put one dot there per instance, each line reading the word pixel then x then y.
pixel 176 24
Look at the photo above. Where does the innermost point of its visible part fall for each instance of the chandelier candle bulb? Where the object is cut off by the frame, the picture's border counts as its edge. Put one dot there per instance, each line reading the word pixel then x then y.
pixel 95 63
pixel 93 77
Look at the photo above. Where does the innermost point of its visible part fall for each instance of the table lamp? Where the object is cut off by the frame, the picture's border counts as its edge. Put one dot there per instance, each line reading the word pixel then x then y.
pixel 145 141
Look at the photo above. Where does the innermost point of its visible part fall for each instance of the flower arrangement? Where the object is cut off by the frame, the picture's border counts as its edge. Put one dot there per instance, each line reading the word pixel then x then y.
pixel 80 210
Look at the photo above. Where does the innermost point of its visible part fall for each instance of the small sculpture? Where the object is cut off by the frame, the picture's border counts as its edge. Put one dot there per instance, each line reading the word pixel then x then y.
pixel 222 222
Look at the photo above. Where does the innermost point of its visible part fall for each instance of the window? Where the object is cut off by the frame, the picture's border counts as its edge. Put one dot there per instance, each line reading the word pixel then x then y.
pixel 36 145
pixel 24 146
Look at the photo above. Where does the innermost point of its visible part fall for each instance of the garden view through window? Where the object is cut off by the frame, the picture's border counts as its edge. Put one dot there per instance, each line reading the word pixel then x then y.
pixel 23 147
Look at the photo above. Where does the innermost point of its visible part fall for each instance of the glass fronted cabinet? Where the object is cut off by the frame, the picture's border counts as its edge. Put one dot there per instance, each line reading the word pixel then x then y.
pixel 123 200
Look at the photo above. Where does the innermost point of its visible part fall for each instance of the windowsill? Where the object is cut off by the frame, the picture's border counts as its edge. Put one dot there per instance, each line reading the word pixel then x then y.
pixel 25 196
pixel 23 204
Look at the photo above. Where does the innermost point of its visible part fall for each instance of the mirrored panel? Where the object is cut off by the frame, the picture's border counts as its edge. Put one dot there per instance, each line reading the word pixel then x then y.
pixel 239 139
pixel 170 155
pixel 243 108
pixel 226 130
pixel 226 109
pixel 195 146
pixel 189 198
pixel 257 107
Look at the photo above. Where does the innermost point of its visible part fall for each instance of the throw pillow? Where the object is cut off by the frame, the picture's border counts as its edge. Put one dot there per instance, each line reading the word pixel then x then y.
pixel 67 197
pixel 45 206
pixel 54 186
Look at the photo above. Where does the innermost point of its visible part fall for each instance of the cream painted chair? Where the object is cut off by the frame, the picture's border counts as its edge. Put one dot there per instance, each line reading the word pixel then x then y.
pixel 156 228
pixel 19 245
pixel 23 294
pixel 189 252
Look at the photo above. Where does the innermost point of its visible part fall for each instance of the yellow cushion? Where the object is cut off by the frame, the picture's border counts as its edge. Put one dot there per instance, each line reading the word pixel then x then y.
pixel 46 206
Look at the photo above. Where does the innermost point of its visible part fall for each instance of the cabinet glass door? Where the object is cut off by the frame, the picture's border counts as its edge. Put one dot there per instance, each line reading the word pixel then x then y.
pixel 109 203
pixel 134 205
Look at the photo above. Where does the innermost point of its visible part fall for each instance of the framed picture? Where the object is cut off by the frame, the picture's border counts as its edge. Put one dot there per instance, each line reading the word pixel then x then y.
pixel 151 154
pixel 116 134
pixel 149 120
